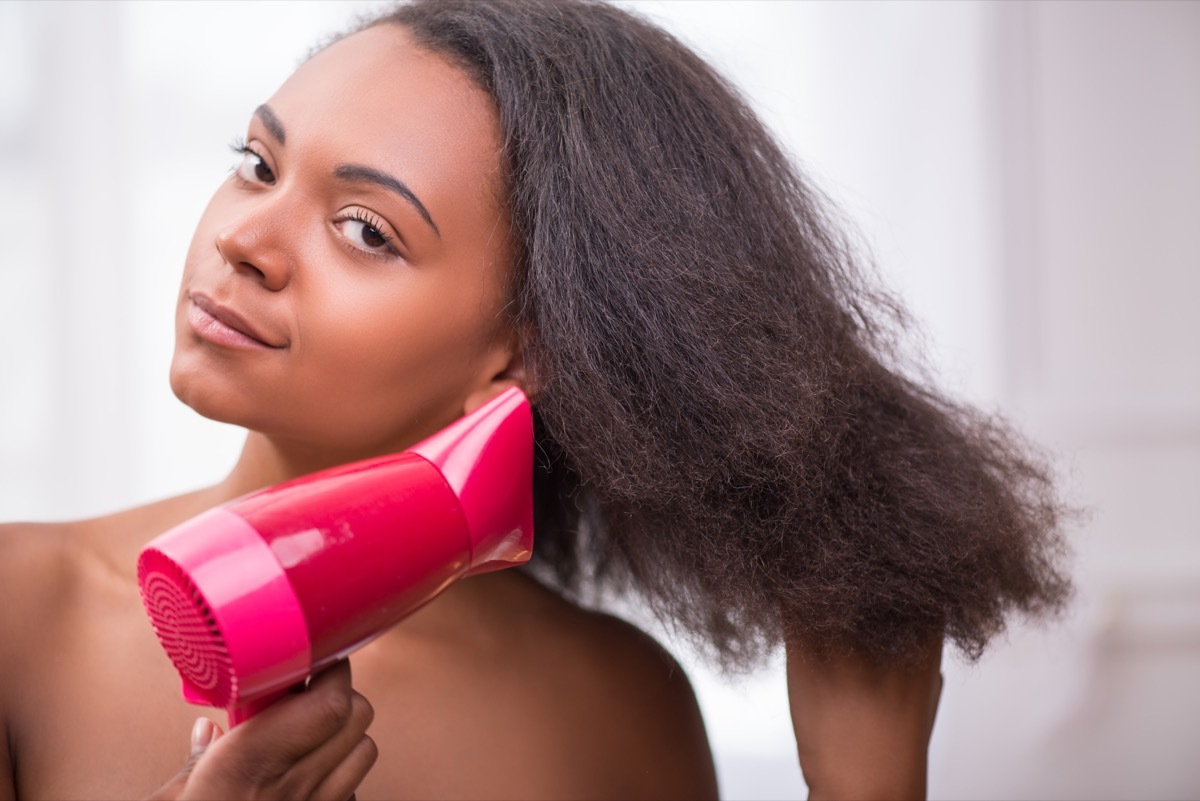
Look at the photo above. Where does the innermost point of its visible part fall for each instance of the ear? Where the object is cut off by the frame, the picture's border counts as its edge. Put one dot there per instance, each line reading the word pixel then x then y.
pixel 506 367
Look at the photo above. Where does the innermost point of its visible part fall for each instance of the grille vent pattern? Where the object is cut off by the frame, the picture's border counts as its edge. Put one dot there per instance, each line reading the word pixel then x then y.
pixel 187 629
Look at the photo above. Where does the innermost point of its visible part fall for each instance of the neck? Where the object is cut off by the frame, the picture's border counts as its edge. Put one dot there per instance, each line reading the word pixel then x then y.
pixel 265 461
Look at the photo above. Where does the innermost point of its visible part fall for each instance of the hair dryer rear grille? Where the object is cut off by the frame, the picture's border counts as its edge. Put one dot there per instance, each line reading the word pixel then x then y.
pixel 187 629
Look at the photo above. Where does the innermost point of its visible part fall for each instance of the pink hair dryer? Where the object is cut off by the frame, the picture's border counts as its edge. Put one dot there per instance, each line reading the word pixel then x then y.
pixel 251 598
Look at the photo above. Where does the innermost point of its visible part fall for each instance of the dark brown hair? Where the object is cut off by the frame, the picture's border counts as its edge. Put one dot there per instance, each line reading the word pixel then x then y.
pixel 721 424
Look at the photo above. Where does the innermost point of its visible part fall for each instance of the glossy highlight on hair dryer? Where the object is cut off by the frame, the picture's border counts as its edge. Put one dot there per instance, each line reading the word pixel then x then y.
pixel 250 598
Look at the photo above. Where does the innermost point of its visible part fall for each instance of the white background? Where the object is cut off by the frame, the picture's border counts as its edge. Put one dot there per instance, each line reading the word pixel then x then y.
pixel 1027 176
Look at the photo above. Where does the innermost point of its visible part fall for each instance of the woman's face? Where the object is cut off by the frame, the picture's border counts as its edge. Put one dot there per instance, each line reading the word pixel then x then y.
pixel 344 288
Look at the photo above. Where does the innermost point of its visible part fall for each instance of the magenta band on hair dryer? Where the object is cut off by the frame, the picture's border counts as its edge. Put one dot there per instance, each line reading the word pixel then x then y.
pixel 251 598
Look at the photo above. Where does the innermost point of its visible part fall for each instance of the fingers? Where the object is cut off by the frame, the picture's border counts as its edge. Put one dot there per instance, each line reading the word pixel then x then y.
pixel 341 782
pixel 295 726
pixel 345 758
pixel 329 755
pixel 310 742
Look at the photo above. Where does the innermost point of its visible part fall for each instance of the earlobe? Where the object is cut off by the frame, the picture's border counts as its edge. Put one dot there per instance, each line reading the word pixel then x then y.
pixel 481 396
pixel 513 374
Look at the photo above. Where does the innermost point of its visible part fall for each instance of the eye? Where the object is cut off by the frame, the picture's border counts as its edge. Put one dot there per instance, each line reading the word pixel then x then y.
pixel 252 168
pixel 366 232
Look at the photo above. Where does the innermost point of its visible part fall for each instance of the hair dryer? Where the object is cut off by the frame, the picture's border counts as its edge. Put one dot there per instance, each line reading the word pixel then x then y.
pixel 251 598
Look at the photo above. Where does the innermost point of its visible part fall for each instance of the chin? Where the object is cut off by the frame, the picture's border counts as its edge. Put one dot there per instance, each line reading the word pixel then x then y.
pixel 233 403
pixel 204 394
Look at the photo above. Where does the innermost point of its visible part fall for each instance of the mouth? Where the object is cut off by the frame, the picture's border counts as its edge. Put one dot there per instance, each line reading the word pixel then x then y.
pixel 221 325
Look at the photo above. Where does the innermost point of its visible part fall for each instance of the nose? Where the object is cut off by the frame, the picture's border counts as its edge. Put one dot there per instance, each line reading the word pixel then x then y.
pixel 255 244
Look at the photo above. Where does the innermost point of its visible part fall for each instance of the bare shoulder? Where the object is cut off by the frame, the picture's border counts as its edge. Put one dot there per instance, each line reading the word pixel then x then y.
pixel 58 577
pixel 637 701
pixel 37 566
pixel 44 572
pixel 55 580
pixel 46 566
pixel 37 577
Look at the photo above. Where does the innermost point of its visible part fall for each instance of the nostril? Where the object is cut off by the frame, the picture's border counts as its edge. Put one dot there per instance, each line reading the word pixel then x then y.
pixel 246 266
pixel 251 249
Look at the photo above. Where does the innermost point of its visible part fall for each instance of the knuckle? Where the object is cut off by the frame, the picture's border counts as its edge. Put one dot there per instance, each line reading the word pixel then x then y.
pixel 251 772
pixel 371 750
pixel 363 712
pixel 334 710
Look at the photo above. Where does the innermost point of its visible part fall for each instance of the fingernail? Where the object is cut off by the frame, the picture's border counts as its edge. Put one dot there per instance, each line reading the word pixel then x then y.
pixel 202 735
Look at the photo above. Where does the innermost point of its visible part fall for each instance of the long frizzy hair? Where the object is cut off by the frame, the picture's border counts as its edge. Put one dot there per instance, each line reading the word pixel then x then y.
pixel 720 421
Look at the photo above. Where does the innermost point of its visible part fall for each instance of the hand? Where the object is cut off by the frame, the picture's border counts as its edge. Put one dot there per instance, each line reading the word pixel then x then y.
pixel 862 730
pixel 312 745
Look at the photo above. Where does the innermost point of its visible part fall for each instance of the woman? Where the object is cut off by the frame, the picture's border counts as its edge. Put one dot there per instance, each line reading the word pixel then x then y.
pixel 460 197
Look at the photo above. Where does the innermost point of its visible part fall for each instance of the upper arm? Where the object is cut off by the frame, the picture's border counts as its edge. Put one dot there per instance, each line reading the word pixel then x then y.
pixel 30 588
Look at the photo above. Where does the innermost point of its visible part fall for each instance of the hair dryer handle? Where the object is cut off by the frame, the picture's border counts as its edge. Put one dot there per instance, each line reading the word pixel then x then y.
pixel 244 711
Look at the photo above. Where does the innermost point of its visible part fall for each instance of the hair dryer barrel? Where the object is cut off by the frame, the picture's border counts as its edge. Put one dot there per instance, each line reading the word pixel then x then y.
pixel 251 598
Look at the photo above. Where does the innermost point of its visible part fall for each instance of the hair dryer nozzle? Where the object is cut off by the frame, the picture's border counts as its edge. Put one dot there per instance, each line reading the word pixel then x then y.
pixel 487 460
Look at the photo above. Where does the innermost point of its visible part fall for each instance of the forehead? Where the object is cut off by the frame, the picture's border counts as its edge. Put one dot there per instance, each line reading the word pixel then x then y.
pixel 379 99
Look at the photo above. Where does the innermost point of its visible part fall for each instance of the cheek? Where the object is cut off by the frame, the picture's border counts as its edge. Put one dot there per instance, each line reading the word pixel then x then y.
pixel 411 319
pixel 384 359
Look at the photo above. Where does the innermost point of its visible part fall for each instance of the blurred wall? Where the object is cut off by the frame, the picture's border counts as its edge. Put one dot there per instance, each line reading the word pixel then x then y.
pixel 1100 121
pixel 1027 176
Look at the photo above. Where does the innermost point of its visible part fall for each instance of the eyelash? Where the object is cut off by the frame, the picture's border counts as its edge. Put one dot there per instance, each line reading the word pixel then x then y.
pixel 377 225
pixel 240 147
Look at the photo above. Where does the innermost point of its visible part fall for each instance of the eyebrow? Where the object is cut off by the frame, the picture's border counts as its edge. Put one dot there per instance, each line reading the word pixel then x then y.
pixel 370 175
pixel 352 172
pixel 272 123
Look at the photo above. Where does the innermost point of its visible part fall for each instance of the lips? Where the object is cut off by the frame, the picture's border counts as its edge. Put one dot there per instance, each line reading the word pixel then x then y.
pixel 223 326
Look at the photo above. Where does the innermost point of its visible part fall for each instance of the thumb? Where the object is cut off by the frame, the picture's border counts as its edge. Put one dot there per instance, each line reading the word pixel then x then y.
pixel 204 734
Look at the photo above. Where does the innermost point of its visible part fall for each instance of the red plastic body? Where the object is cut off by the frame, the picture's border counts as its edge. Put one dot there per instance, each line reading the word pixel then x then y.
pixel 251 598
pixel 362 545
